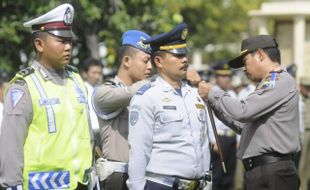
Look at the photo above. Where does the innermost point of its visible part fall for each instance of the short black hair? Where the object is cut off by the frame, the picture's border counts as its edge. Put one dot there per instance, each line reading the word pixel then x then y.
pixel 125 50
pixel 273 53
pixel 41 35
pixel 157 53
pixel 89 62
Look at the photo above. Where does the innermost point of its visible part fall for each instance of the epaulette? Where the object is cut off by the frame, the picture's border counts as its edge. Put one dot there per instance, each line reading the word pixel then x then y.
pixel 71 68
pixel 25 72
pixel 144 88
pixel 109 82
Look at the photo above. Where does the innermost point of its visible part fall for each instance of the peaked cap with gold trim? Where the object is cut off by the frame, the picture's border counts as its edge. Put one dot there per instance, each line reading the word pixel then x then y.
pixel 173 41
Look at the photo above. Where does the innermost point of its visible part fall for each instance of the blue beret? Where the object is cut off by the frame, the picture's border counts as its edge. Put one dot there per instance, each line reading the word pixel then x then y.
pixel 135 39
pixel 173 41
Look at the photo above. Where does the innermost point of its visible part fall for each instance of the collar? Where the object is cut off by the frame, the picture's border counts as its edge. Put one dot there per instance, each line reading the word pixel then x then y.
pixel 166 87
pixel 47 74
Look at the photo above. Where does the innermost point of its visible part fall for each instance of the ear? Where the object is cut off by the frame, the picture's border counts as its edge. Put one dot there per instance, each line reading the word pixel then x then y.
pixel 39 44
pixel 126 61
pixel 158 61
pixel 261 55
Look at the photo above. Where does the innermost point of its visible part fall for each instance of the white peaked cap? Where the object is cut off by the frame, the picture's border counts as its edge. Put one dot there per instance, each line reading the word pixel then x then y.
pixel 57 21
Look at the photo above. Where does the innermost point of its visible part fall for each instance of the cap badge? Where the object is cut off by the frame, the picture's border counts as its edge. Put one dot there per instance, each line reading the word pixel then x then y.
pixel 184 34
pixel 142 45
pixel 243 51
pixel 68 17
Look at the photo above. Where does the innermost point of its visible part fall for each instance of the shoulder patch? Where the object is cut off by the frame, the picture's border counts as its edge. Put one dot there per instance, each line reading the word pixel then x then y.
pixel 71 68
pixel 269 81
pixel 25 72
pixel 134 117
pixel 144 88
pixel 16 95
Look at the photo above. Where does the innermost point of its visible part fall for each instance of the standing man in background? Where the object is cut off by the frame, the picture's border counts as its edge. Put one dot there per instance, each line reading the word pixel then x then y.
pixel 45 140
pixel 268 119
pixel 304 169
pixel 92 71
pixel 227 137
pixel 4 81
pixel 110 101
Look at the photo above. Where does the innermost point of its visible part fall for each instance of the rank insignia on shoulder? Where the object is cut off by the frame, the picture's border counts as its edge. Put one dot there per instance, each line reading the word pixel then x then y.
pixel 268 81
pixel 71 68
pixel 25 72
pixel 16 95
pixel 144 88
pixel 109 82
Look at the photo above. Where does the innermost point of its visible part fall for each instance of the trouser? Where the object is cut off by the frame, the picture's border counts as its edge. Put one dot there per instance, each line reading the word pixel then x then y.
pixel 280 175
pixel 239 176
pixel 116 181
pixel 304 168
pixel 222 181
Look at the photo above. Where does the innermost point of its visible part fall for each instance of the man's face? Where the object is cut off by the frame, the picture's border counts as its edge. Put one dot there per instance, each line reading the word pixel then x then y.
pixel 55 51
pixel 174 66
pixel 94 75
pixel 304 90
pixel 140 67
pixel 252 67
pixel 223 81
pixel 2 89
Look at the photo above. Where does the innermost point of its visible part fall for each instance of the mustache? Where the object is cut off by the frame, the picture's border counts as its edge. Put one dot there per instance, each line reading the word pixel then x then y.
pixel 185 66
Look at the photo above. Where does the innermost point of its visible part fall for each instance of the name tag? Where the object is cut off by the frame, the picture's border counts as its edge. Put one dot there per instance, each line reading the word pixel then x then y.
pixel 169 107
pixel 51 101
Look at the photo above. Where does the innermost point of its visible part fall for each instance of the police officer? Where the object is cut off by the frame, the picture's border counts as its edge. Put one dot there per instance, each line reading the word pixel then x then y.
pixel 45 138
pixel 168 134
pixel 227 137
pixel 111 99
pixel 304 169
pixel 267 119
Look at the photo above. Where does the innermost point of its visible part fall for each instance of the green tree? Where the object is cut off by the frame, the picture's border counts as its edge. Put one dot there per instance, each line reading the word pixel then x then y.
pixel 210 22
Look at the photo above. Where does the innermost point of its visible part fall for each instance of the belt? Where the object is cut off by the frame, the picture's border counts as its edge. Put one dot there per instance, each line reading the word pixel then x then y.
pixel 226 133
pixel 177 182
pixel 120 167
pixel 252 162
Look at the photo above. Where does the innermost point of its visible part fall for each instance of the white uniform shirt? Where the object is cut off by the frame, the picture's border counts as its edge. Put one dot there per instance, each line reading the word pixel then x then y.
pixel 92 113
pixel 168 133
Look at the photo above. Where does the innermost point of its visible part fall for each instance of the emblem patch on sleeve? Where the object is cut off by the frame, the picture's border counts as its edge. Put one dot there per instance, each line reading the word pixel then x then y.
pixel 16 95
pixel 134 116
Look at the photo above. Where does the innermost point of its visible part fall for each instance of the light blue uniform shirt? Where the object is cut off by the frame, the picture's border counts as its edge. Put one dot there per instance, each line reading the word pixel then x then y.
pixel 168 133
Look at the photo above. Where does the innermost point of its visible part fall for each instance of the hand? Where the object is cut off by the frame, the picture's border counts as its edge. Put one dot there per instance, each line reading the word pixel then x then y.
pixel 204 89
pixel 215 148
pixel 193 77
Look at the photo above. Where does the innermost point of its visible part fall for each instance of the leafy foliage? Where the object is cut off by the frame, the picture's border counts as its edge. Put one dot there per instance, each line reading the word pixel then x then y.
pixel 210 22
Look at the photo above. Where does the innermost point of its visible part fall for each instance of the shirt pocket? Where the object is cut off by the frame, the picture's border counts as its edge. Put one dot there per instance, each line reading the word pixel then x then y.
pixel 170 124
pixel 170 117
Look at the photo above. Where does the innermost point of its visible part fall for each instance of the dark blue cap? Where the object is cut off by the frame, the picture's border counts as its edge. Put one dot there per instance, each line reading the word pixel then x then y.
pixel 135 39
pixel 222 68
pixel 173 41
